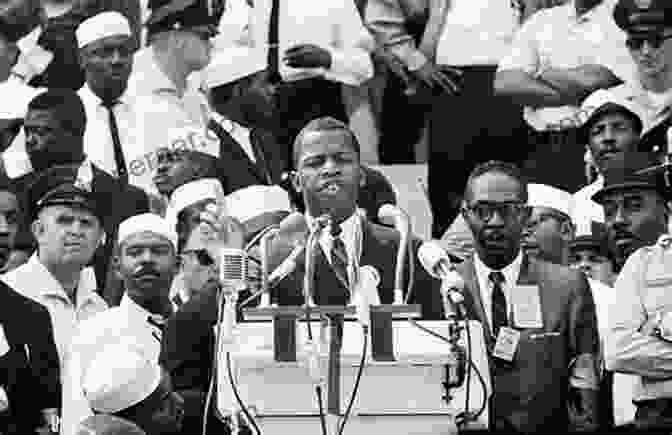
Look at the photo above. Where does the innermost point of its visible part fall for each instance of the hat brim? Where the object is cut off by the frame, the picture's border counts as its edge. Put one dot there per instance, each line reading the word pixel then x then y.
pixel 600 194
pixel 86 205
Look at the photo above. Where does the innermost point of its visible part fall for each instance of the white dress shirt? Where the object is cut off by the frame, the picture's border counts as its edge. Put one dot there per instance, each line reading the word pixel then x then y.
pixel 510 272
pixel 126 323
pixel 476 32
pixel 98 144
pixel 558 38
pixel 34 281
pixel 334 25
pixel 585 211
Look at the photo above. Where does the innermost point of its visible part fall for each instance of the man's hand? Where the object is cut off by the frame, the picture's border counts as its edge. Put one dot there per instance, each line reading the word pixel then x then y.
pixel 444 78
pixel 218 231
pixel 307 56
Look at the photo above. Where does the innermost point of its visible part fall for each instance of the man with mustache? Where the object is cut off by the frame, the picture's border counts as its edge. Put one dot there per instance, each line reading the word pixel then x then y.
pixel 612 126
pixel 328 176
pixel 146 261
pixel 638 336
pixel 538 318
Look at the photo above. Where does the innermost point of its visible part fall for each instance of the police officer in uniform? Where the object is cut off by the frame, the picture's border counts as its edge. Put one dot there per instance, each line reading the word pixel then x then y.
pixel 635 200
pixel 648 24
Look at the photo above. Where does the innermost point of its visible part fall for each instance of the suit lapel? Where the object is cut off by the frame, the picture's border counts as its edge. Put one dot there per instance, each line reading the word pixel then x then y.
pixel 231 147
pixel 262 165
pixel 474 299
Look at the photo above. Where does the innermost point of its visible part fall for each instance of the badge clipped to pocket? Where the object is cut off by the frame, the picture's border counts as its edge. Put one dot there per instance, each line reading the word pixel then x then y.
pixel 527 307
pixel 506 344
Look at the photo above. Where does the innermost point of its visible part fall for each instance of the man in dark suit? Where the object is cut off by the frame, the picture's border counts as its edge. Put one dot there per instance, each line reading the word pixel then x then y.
pixel 29 365
pixel 54 128
pixel 539 318
pixel 328 175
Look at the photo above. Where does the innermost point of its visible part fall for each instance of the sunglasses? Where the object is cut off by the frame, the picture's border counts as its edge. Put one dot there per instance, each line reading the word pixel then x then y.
pixel 655 41
pixel 484 211
pixel 201 255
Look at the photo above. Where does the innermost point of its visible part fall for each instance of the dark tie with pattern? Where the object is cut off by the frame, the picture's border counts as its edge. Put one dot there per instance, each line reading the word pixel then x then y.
pixel 273 43
pixel 499 316
pixel 119 160
pixel 339 256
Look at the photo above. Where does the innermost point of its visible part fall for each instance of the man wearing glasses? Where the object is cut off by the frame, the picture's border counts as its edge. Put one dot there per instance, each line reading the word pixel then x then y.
pixel 648 24
pixel 539 318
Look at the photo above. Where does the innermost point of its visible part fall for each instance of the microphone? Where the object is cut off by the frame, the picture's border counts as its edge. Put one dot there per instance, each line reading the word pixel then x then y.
pixel 437 263
pixel 233 269
pixel 392 215
pixel 287 266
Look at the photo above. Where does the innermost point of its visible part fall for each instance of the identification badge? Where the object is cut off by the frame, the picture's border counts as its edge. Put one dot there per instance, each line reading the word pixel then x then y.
pixel 527 307
pixel 507 343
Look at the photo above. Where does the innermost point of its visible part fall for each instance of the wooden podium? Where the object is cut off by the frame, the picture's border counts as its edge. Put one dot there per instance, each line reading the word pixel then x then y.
pixel 401 389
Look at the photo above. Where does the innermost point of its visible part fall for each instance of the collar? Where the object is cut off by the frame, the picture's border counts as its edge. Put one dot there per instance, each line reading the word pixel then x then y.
pixel 152 73
pixel 511 271
pixel 44 284
pixel 351 234
pixel 87 95
pixel 133 309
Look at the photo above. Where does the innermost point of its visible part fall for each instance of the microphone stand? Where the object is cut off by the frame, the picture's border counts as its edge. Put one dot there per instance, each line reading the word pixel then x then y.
pixel 456 366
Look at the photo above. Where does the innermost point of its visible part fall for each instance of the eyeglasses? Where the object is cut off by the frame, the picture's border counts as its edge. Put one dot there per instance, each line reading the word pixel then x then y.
pixel 201 255
pixel 655 41
pixel 484 211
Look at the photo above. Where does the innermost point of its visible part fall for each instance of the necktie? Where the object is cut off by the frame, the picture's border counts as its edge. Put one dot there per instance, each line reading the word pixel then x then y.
pixel 339 257
pixel 273 43
pixel 119 160
pixel 499 316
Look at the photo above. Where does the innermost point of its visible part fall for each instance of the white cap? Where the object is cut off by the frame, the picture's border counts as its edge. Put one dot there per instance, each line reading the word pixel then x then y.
pixel 102 25
pixel 252 201
pixel 119 377
pixel 542 195
pixel 191 193
pixel 147 222
pixel 601 97
pixel 231 63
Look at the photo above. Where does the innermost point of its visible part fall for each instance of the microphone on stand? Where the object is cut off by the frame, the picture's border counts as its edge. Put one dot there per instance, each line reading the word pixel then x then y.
pixel 232 273
pixel 392 215
pixel 437 263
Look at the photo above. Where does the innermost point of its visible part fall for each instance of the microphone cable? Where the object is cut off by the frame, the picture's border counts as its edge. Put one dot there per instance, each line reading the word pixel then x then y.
pixel 355 389
pixel 318 387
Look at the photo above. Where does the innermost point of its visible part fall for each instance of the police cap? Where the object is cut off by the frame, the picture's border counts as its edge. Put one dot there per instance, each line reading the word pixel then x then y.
pixel 643 15
pixel 181 14
pixel 630 170
pixel 61 186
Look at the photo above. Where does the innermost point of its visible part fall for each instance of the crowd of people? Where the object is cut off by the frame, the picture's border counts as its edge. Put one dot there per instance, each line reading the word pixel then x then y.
pixel 141 139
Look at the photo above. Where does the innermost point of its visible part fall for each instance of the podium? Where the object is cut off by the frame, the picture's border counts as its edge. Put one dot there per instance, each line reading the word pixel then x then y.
pixel 398 395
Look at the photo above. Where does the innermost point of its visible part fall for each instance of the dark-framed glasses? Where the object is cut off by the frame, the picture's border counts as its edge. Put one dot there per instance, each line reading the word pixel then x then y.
pixel 655 40
pixel 484 211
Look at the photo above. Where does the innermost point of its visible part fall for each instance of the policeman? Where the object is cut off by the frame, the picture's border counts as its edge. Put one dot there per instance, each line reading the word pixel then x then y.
pixel 636 211
pixel 648 24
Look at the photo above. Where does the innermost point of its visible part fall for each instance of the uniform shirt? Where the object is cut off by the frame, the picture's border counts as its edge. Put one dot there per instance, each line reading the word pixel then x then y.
pixel 98 144
pixel 644 288
pixel 584 209
pixel 511 273
pixel 126 323
pixel 334 25
pixel 33 280
pixel 558 38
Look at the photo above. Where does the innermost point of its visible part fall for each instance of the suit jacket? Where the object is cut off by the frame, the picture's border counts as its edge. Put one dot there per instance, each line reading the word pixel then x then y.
pixel 29 371
pixel 238 171
pixel 379 249
pixel 187 353
pixel 531 394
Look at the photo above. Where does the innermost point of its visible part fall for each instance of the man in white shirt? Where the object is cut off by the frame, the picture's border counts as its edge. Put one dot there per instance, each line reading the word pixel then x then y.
pixel 146 260
pixel 310 50
pixel 560 56
pixel 612 126
pixel 451 71
pixel 648 26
